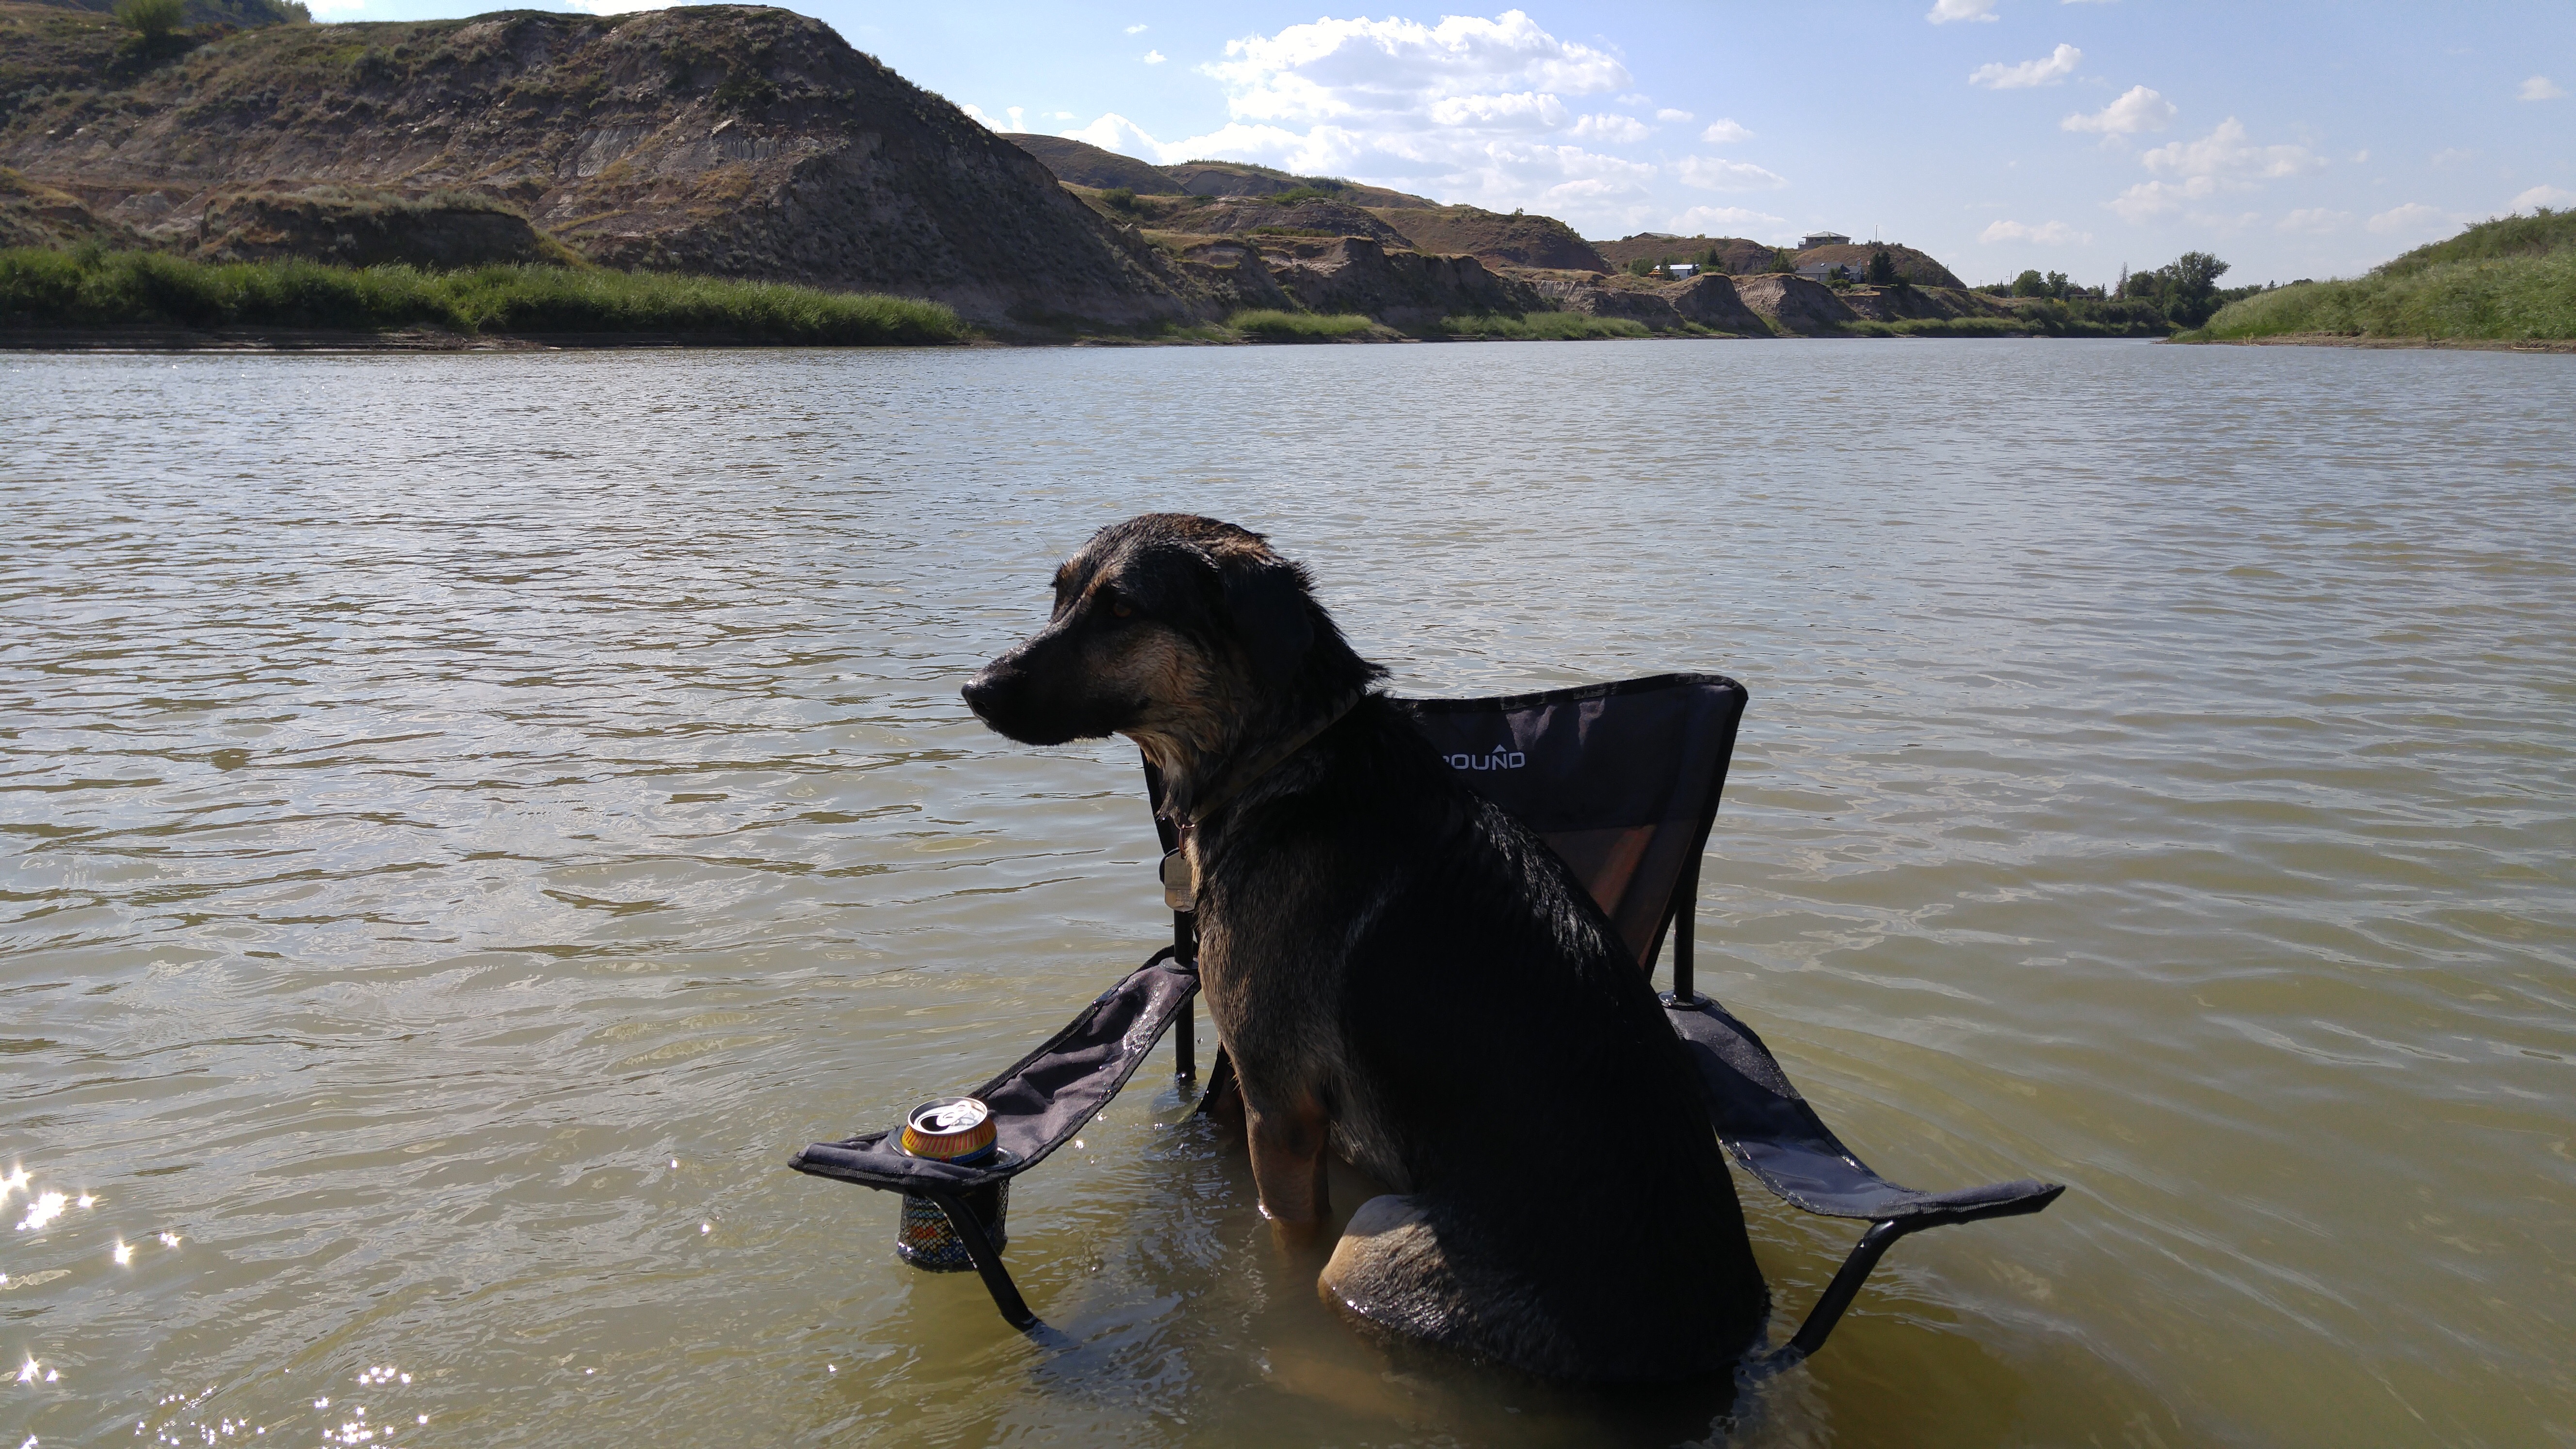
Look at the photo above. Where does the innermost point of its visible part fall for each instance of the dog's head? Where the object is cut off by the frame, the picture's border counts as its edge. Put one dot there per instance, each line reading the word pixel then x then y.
pixel 1182 633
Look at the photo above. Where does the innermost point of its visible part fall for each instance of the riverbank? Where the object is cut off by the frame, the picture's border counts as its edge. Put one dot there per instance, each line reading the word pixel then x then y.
pixel 90 299
pixel 2506 282
pixel 2386 344
pixel 90 291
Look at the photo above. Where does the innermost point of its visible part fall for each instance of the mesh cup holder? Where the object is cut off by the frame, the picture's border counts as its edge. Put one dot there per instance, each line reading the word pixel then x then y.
pixel 925 1238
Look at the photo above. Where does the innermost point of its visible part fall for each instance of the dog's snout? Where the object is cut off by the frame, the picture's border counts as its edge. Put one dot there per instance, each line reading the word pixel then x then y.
pixel 985 691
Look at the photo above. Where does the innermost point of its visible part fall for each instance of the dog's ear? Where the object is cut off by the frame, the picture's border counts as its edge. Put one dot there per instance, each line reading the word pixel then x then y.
pixel 1266 603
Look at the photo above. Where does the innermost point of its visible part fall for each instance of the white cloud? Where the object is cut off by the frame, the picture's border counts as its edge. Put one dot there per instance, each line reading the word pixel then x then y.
pixel 1672 117
pixel 1347 70
pixel 2316 220
pixel 594 7
pixel 2542 196
pixel 1724 133
pixel 1624 129
pixel 1064 115
pixel 2539 88
pixel 2453 156
pixel 1711 174
pixel 1136 29
pixel 1114 132
pixel 1729 221
pixel 2049 70
pixel 2052 234
pixel 1487 111
pixel 2138 109
pixel 2154 198
pixel 2414 219
pixel 2226 157
pixel 1153 57
pixel 1945 11
pixel 2223 160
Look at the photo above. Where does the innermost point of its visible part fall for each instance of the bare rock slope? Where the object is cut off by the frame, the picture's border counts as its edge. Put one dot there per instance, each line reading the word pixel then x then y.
pixel 1794 304
pixel 362 229
pixel 1496 239
pixel 1400 288
pixel 738 140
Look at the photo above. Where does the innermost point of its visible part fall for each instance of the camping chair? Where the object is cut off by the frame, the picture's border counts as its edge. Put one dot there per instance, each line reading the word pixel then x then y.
pixel 1622 781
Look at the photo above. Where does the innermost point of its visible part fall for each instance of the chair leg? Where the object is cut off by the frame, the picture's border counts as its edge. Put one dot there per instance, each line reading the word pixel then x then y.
pixel 1838 1295
pixel 988 1263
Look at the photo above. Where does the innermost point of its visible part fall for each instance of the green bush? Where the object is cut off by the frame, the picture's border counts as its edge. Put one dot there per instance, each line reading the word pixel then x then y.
pixel 1544 327
pixel 1277 326
pixel 92 287
pixel 151 19
pixel 2508 280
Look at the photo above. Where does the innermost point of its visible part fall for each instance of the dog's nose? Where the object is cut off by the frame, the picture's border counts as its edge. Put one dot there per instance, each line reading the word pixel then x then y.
pixel 981 692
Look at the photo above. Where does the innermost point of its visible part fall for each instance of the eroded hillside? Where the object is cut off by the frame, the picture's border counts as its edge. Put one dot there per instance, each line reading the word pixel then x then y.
pixel 737 140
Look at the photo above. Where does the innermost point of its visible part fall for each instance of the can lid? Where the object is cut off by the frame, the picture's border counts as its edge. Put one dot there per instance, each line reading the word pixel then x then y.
pixel 949 1116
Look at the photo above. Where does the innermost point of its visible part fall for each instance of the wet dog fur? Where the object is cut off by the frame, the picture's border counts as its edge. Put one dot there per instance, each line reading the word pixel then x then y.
pixel 1401 973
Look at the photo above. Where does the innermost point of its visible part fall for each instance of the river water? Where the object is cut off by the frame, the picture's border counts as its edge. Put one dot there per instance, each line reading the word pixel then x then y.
pixel 468 819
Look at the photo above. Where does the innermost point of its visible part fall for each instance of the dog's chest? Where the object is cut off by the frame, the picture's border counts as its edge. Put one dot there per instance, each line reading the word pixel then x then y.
pixel 1276 1002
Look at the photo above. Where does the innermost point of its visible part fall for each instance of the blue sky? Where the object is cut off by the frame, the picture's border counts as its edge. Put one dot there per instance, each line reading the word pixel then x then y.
pixel 2075 135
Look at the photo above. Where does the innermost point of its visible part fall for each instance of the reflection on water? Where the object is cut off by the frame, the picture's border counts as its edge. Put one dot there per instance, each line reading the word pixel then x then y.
pixel 468 819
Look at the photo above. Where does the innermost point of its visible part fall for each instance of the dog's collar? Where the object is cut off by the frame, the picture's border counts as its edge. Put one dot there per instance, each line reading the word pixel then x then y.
pixel 1180 876
pixel 1242 779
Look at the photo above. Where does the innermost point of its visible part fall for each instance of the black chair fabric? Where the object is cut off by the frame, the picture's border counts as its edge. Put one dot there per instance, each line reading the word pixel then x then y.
pixel 1769 1128
pixel 1042 1100
pixel 1621 780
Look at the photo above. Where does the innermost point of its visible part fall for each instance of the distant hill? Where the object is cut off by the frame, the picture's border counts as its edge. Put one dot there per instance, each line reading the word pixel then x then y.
pixel 1084 164
pixel 1743 256
pixel 1739 255
pixel 243 14
pixel 1491 237
pixel 1249 215
pixel 1243 178
pixel 1916 267
pixel 729 140
pixel 1340 207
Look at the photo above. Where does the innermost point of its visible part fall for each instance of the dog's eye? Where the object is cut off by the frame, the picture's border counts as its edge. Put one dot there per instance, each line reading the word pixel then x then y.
pixel 1122 608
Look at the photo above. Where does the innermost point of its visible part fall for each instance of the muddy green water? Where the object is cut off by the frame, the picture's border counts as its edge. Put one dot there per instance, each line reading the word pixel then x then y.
pixel 468 819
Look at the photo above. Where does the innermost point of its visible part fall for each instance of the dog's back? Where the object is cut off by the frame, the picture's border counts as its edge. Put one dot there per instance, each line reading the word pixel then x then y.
pixel 1487 1046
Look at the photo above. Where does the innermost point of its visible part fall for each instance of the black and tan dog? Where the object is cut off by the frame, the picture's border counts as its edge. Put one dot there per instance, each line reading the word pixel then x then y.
pixel 1401 973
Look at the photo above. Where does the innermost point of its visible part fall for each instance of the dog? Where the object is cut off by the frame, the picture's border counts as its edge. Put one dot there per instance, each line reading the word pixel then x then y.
pixel 1401 973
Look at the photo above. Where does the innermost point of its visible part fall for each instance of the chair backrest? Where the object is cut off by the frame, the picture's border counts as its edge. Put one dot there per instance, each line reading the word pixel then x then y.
pixel 1621 780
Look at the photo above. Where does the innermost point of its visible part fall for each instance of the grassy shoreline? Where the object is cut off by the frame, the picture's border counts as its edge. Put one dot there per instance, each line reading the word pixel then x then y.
pixel 2510 280
pixel 92 289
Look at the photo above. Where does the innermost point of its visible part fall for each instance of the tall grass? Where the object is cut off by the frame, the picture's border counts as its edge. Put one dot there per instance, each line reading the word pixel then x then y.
pixel 1544 327
pixel 2508 299
pixel 91 287
pixel 2508 280
pixel 1277 326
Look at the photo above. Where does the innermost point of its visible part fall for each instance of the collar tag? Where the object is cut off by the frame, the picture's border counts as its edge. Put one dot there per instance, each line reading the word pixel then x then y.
pixel 1180 882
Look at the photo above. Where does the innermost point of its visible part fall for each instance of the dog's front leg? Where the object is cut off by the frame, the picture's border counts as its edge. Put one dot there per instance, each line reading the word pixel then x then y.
pixel 1288 1167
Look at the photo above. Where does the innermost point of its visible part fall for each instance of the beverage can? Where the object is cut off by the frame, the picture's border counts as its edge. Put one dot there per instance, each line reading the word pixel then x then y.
pixel 951 1129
